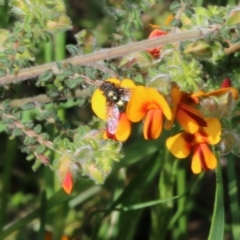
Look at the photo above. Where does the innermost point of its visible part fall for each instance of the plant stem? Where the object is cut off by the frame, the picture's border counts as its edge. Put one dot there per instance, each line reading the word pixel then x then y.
pixel 33 72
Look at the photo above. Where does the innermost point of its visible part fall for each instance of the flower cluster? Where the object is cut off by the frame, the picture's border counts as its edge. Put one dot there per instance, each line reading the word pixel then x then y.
pixel 198 130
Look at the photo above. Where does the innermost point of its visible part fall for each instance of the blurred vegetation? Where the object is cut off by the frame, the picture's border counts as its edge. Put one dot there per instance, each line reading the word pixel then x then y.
pixel 138 200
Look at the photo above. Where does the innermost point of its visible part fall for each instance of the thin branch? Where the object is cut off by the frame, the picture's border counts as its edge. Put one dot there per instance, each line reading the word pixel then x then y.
pixel 42 98
pixel 110 53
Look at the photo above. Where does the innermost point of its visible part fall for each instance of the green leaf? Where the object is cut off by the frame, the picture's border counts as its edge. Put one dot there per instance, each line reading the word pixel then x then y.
pixel 29 105
pixel 146 204
pixel 233 196
pixel 217 223
pixel 175 6
pixel 46 76
pixel 72 49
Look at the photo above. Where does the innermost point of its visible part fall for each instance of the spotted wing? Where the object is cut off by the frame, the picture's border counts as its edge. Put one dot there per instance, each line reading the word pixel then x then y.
pixel 126 94
pixel 112 118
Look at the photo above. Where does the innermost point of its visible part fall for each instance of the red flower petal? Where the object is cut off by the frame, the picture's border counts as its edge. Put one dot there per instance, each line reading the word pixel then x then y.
pixel 67 183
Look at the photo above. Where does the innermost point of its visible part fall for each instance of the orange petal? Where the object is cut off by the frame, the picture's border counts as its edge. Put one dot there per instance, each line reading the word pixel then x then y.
pixel 176 96
pixel 178 145
pixel 127 83
pixel 123 128
pixel 210 134
pixel 156 100
pixel 222 91
pixel 144 99
pixel 136 108
pixel 67 183
pixel 190 118
pixel 203 158
pixel 153 124
pixel 98 103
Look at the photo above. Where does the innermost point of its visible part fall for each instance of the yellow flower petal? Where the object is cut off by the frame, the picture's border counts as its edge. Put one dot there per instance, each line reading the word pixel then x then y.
pixel 153 124
pixel 203 158
pixel 123 128
pixel 136 108
pixel 98 103
pixel 127 83
pixel 156 99
pixel 178 145
pixel 210 134
pixel 222 91
pixel 144 99
pixel 190 118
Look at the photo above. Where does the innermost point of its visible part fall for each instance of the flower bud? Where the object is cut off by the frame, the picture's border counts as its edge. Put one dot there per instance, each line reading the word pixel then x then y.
pixel 226 83
pixel 234 17
pixel 199 49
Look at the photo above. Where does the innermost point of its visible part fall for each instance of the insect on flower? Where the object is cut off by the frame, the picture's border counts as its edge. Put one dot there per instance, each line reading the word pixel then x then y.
pixel 116 98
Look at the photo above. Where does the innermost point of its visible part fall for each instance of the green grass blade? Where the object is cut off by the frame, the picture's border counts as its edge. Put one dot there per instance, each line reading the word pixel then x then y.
pixel 57 199
pixel 145 204
pixel 233 197
pixel 217 223
pixel 43 214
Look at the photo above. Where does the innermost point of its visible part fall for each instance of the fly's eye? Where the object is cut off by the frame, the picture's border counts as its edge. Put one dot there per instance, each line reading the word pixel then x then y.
pixel 110 94
pixel 120 103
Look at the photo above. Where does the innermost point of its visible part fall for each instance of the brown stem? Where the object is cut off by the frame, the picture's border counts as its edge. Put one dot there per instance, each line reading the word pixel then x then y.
pixel 110 53
pixel 45 99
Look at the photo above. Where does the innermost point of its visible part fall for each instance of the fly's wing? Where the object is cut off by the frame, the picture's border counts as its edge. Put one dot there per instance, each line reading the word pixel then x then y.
pixel 112 118
pixel 126 94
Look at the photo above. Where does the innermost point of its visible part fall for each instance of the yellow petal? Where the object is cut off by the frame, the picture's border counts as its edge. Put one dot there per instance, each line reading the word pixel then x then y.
pixel 210 134
pixel 153 124
pixel 176 98
pixel 127 83
pixel 222 91
pixel 178 145
pixel 123 128
pixel 156 99
pixel 98 103
pixel 137 106
pixel 203 158
pixel 190 118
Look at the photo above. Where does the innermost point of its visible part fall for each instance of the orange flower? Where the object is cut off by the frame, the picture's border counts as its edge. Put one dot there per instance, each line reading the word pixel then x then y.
pixel 99 106
pixel 182 144
pixel 188 117
pixel 123 129
pixel 155 52
pixel 149 104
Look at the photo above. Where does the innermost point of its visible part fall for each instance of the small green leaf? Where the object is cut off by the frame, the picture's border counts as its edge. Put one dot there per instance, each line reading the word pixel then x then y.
pixel 29 105
pixel 174 6
pixel 72 49
pixel 37 129
pixel 226 123
pixel 36 165
pixel 46 76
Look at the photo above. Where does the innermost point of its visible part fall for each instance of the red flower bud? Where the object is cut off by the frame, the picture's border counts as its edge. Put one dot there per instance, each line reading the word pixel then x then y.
pixel 154 34
pixel 226 83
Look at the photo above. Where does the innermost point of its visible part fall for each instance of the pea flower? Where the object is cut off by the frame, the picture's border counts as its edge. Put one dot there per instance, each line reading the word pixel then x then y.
pixel 148 104
pixel 99 105
pixel 182 144
pixel 155 52
pixel 190 118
